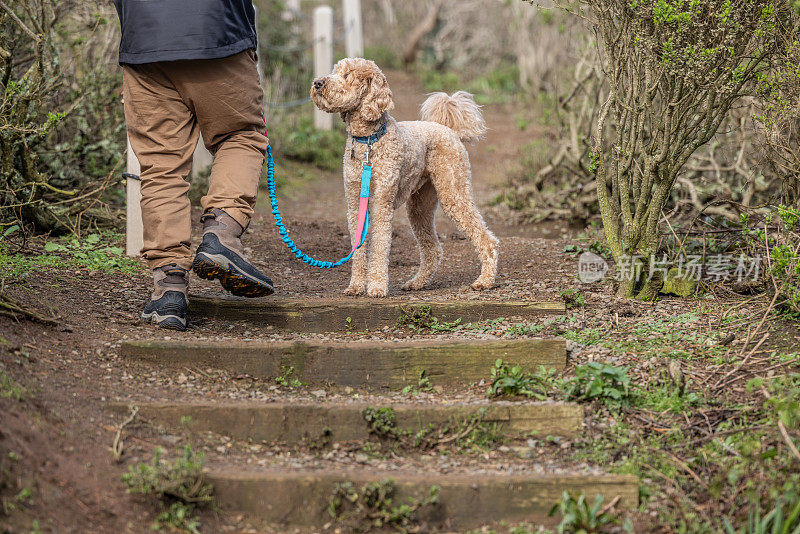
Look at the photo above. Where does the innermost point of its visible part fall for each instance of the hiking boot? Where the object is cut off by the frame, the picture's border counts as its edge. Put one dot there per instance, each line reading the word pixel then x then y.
pixel 221 257
pixel 168 303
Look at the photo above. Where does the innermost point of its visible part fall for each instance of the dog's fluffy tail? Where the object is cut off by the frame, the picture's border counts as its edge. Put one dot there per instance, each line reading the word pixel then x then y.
pixel 458 111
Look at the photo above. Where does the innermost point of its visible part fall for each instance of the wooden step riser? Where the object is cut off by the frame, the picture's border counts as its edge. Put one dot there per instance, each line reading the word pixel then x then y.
pixel 356 315
pixel 301 499
pixel 292 423
pixel 367 365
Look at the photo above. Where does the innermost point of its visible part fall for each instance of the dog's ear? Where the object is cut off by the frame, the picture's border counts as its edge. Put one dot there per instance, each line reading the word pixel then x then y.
pixel 378 99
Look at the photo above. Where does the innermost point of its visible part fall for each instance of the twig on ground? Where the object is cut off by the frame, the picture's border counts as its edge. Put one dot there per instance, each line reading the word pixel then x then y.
pixel 788 439
pixel 117 447
pixel 461 435
pixel 782 428
pixel 686 468
pixel 609 506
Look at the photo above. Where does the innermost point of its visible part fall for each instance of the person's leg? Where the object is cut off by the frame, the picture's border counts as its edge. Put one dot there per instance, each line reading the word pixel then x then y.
pixel 163 134
pixel 226 96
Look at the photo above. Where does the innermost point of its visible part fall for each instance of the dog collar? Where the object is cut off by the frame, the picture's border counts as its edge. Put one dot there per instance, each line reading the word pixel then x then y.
pixel 370 139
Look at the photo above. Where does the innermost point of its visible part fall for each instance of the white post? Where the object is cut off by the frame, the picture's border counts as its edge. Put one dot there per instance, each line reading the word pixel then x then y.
pixel 134 229
pixel 353 31
pixel 202 158
pixel 323 57
pixel 291 10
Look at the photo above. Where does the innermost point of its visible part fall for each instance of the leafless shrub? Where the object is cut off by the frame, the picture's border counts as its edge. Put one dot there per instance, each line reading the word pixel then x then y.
pixel 561 185
pixel 48 51
pixel 779 118
pixel 674 72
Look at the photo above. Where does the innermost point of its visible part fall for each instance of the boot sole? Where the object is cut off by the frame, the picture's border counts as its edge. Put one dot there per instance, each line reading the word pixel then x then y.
pixel 234 282
pixel 169 322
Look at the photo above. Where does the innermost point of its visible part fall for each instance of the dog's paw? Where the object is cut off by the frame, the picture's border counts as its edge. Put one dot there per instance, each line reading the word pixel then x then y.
pixel 377 292
pixel 355 290
pixel 482 285
pixel 413 285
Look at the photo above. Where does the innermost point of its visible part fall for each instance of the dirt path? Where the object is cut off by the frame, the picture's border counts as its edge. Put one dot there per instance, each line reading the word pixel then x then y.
pixel 74 370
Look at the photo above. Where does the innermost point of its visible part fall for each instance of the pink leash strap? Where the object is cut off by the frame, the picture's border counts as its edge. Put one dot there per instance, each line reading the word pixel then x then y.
pixel 363 206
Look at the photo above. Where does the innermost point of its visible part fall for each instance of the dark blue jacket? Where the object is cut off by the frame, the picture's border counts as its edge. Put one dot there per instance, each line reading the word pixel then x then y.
pixel 168 30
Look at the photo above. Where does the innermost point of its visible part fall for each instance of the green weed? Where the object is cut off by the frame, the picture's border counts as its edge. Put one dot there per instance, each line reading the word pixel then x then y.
pixel 178 517
pixel 95 252
pixel 784 518
pixel 579 517
pixel 514 381
pixel 667 397
pixel 463 432
pixel 523 329
pixel 420 318
pixel 785 261
pixel 24 495
pixel 16 265
pixel 373 506
pixel 485 326
pixel 423 384
pixel 182 479
pixel 573 298
pixel 372 450
pixel 382 422
pixel 595 246
pixel 474 433
pixel 285 378
pixel 9 388
pixel 599 381
pixel 466 433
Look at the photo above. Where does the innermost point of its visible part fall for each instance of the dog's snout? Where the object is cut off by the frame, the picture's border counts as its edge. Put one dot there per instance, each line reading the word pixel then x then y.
pixel 319 83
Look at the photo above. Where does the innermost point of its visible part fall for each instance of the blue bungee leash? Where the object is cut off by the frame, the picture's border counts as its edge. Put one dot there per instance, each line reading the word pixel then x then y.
pixel 363 213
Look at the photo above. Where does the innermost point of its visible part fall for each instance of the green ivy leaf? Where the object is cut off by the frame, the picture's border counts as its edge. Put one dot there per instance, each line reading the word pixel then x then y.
pixel 10 230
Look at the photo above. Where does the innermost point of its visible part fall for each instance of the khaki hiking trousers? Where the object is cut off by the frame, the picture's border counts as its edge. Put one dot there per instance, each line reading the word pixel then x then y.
pixel 167 106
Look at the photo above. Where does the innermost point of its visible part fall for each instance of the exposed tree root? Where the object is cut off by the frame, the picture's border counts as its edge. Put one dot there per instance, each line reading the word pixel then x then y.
pixel 11 308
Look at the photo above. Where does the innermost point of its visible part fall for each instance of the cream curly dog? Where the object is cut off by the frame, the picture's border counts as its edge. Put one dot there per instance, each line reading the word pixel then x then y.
pixel 420 163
